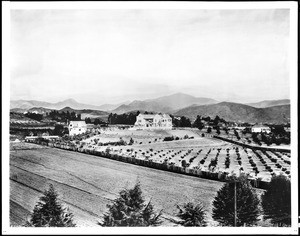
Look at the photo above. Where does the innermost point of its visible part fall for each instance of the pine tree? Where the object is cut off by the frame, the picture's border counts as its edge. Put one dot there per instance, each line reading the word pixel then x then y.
pixel 192 215
pixel 129 209
pixel 276 201
pixel 247 203
pixel 49 213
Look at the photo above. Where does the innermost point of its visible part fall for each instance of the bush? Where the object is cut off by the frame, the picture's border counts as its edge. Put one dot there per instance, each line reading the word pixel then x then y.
pixel 171 138
pixel 192 215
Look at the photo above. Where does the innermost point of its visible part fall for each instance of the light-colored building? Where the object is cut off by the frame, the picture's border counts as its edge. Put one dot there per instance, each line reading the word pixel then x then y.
pixel 260 128
pixel 77 127
pixel 153 121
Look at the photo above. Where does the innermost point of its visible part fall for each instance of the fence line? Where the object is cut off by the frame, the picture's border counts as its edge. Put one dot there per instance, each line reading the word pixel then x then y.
pixel 253 147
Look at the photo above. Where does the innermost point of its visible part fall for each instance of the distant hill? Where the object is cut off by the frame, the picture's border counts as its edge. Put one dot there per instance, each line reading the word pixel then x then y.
pixel 110 107
pixel 270 103
pixel 181 100
pixel 27 104
pixel 164 104
pixel 141 105
pixel 238 112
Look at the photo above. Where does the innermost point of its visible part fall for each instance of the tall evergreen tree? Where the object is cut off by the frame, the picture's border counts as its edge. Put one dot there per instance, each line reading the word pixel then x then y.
pixel 192 215
pixel 49 213
pixel 247 203
pixel 276 201
pixel 197 123
pixel 129 209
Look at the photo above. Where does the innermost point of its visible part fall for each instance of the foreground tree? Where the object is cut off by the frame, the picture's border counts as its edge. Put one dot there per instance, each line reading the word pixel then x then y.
pixel 129 209
pixel 49 213
pixel 276 201
pixel 247 203
pixel 192 215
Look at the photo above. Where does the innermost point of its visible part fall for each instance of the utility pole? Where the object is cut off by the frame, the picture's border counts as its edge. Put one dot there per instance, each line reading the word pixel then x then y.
pixel 235 213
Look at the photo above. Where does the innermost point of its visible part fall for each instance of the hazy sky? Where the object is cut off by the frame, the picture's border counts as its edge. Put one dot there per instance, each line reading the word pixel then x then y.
pixel 108 56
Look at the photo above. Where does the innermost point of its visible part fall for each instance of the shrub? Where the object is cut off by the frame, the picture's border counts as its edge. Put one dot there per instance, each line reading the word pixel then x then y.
pixel 192 215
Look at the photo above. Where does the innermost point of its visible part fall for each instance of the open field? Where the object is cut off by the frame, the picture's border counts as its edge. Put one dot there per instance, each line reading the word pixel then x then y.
pixel 87 183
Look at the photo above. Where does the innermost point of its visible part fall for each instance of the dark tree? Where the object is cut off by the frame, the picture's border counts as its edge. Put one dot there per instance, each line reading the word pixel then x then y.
pixel 49 213
pixel 247 203
pixel 208 130
pixel 129 209
pixel 34 116
pixel 59 130
pixel 185 122
pixel 88 120
pixel 197 123
pixel 276 201
pixel 218 130
pixel 192 215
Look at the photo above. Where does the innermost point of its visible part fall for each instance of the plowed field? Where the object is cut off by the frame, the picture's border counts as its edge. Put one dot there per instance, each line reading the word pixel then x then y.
pixel 87 183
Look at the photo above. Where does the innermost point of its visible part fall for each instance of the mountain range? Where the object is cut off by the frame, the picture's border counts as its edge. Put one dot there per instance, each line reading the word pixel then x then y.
pixel 239 112
pixel 178 104
pixel 28 104
pixel 164 104
pixel 270 103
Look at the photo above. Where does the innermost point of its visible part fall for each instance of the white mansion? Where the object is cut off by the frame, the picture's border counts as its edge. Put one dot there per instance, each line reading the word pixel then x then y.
pixel 153 121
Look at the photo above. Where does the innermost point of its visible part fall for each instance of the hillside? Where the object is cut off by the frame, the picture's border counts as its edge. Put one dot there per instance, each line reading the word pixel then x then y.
pixel 270 103
pixel 141 105
pixel 164 104
pixel 181 100
pixel 238 112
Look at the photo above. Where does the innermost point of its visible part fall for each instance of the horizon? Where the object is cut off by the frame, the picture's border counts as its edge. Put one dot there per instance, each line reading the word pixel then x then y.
pixel 130 101
pixel 106 56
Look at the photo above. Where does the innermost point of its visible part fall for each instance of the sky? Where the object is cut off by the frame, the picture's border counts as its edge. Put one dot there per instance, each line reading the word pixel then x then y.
pixel 109 56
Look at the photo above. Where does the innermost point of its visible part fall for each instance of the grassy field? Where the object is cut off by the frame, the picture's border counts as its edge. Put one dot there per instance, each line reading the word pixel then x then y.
pixel 87 183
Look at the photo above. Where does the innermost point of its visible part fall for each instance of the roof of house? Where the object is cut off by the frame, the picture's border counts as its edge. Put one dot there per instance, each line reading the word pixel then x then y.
pixel 147 116
pixel 151 116
pixel 166 116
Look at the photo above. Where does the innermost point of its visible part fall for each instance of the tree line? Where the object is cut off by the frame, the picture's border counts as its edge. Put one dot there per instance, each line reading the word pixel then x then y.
pixel 131 209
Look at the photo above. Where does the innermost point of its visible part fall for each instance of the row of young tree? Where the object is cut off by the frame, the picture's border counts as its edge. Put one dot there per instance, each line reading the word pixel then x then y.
pixel 131 209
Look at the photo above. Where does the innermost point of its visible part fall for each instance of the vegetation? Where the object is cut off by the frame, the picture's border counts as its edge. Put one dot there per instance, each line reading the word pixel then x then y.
pixel 247 203
pixel 34 116
pixel 198 124
pixel 63 116
pixel 125 119
pixel 49 213
pixel 129 209
pixel 276 201
pixel 192 215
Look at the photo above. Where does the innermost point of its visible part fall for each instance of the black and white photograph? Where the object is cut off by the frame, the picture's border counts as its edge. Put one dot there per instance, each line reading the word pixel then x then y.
pixel 149 118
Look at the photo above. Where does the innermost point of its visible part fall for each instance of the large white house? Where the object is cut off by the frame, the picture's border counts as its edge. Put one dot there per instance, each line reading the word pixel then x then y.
pixel 77 127
pixel 260 128
pixel 153 121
